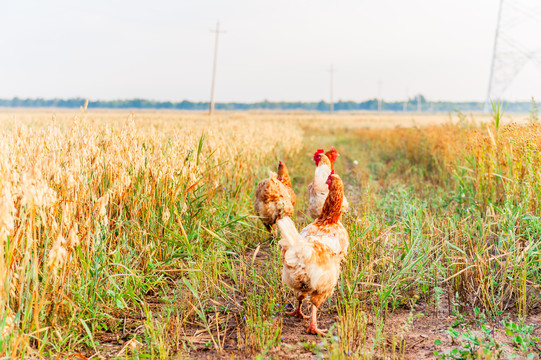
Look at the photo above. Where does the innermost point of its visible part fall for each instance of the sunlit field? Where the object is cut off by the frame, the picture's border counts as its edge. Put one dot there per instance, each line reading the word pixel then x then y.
pixel 133 235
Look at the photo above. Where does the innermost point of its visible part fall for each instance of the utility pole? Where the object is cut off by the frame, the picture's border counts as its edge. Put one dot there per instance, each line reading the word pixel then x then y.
pixel 217 31
pixel 379 95
pixel 331 103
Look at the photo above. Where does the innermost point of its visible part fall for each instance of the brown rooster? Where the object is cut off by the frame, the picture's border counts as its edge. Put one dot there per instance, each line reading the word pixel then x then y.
pixel 332 155
pixel 274 197
pixel 311 259
pixel 283 176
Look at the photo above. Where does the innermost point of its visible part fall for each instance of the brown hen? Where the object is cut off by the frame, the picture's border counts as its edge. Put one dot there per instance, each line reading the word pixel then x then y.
pixel 274 197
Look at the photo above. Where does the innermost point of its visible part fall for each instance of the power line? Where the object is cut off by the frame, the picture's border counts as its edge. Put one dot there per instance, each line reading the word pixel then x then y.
pixel 490 80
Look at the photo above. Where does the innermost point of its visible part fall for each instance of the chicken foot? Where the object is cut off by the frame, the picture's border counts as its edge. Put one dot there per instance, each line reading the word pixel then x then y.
pixel 298 311
pixel 312 328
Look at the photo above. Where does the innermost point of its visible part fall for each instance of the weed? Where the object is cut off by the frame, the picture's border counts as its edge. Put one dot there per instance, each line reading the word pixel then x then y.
pixel 134 233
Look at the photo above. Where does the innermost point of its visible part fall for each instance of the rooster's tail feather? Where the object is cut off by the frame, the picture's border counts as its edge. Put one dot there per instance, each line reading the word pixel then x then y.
pixel 290 235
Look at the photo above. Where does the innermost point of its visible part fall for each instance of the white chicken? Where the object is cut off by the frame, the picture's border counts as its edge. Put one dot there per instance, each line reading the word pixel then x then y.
pixel 311 259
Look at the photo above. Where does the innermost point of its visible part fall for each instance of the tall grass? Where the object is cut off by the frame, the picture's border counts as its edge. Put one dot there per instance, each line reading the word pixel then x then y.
pixel 482 234
pixel 137 230
pixel 97 216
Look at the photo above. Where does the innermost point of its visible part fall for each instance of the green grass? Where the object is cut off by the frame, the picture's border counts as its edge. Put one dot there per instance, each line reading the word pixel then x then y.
pixel 207 279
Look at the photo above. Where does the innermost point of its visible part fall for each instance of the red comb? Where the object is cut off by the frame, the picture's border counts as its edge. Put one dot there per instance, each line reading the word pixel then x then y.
pixel 332 172
pixel 317 157
pixel 281 163
pixel 333 149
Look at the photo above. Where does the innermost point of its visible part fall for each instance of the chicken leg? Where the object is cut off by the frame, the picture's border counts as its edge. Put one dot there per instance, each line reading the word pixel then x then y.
pixel 312 328
pixel 298 311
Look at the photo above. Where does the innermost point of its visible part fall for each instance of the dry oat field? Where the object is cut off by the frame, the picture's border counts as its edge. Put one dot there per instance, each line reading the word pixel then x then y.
pixel 133 235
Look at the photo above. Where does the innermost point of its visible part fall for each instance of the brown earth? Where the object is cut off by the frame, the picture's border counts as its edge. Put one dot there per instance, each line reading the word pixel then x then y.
pixel 425 328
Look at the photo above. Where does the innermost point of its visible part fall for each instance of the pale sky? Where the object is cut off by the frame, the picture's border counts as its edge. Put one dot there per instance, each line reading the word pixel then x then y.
pixel 276 50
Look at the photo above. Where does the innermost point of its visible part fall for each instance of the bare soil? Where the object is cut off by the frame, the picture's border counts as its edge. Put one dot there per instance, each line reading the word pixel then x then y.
pixel 426 326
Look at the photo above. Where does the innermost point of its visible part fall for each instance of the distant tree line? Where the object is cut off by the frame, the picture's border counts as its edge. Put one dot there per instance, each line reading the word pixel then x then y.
pixel 411 105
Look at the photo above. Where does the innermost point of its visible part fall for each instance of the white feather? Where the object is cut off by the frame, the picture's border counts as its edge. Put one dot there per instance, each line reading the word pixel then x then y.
pixel 290 235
